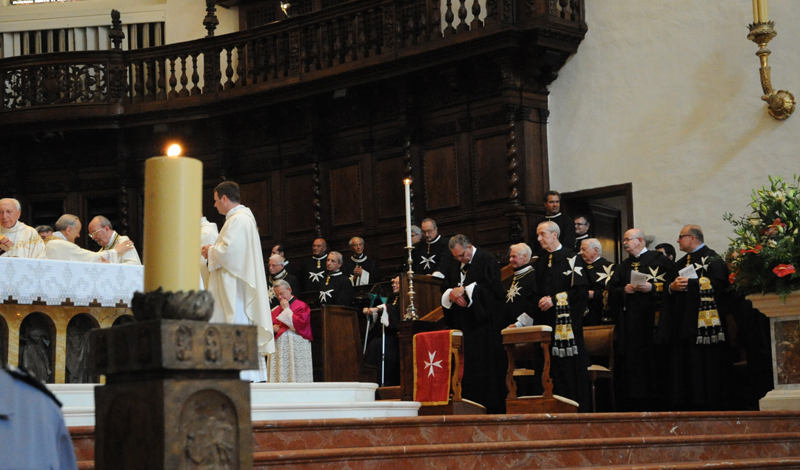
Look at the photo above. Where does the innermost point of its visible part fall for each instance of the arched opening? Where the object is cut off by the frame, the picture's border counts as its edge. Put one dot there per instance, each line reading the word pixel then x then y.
pixel 3 341
pixel 77 360
pixel 37 346
pixel 123 320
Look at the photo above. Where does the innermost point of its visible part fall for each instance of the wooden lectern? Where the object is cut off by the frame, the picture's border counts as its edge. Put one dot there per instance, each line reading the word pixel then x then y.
pixel 336 350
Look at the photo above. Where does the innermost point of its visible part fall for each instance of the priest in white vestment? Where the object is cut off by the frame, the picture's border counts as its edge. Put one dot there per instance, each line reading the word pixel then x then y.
pixel 237 279
pixel 61 245
pixel 208 236
pixel 292 326
pixel 17 240
pixel 101 231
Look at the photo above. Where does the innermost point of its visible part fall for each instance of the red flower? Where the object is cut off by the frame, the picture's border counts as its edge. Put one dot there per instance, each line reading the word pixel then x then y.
pixel 773 229
pixel 755 250
pixel 782 270
pixel 732 277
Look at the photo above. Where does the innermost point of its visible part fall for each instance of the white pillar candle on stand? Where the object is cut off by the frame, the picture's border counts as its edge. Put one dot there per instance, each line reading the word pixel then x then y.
pixel 173 193
pixel 407 183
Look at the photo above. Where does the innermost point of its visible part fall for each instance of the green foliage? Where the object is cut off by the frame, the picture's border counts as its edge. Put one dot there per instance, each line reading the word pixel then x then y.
pixel 766 249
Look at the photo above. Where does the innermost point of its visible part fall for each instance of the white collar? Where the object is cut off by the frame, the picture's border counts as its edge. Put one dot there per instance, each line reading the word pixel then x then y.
pixel 60 235
pixel 552 216
pixel 233 211
pixel 434 240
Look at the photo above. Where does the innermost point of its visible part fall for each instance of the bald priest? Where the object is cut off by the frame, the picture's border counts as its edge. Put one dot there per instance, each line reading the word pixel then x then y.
pixel 61 245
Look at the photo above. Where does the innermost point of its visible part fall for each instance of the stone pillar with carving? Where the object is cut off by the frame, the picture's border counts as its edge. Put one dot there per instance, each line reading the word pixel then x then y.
pixel 172 397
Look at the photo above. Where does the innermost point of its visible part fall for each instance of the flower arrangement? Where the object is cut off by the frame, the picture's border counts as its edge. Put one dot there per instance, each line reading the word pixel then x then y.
pixel 765 254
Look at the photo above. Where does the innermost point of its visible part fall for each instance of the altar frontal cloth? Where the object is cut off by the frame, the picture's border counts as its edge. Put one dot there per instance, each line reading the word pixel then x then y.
pixel 433 366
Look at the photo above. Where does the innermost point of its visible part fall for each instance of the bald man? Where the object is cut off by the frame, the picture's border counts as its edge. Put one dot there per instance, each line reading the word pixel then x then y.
pixel 103 233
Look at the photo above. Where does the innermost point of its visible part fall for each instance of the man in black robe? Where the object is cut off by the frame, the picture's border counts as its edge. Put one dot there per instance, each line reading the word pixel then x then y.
pixel 581 230
pixel 566 224
pixel 336 288
pixel 359 268
pixel 290 268
pixel 637 301
pixel 520 291
pixel 472 303
pixel 696 323
pixel 385 353
pixel 277 272
pixel 599 271
pixel 562 290
pixel 312 270
pixel 431 255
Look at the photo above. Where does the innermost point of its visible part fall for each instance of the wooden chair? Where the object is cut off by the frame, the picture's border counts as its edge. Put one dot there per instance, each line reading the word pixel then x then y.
pixel 547 402
pixel 600 343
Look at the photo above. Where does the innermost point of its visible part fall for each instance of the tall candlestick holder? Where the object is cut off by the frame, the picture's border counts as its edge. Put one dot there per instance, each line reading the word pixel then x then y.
pixel 781 103
pixel 411 310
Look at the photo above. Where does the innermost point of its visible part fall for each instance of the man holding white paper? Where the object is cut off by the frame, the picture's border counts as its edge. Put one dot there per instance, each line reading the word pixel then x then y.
pixel 636 291
pixel 696 323
pixel 237 279
pixel 471 303
pixel 520 292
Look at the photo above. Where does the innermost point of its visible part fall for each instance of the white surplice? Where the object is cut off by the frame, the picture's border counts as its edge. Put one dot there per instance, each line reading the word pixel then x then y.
pixel 27 242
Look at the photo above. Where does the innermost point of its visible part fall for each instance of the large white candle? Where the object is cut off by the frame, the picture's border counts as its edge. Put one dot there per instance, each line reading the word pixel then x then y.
pixel 755 11
pixel 763 11
pixel 407 183
pixel 173 194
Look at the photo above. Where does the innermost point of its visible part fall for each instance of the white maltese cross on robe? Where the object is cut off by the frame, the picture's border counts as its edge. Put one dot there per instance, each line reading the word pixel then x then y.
pixel 430 365
pixel 427 261
pixel 654 276
pixel 606 276
pixel 513 291
pixel 316 277
pixel 572 268
pixel 325 294
pixel 703 264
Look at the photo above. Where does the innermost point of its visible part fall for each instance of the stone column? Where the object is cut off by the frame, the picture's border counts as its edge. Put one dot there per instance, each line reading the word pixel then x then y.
pixel 784 326
pixel 172 397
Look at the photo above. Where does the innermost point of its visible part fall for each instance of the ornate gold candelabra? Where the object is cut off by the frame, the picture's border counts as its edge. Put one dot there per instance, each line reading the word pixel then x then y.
pixel 781 103
pixel 411 310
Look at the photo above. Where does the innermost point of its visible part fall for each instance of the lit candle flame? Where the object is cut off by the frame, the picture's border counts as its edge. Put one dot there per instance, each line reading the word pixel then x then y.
pixel 174 150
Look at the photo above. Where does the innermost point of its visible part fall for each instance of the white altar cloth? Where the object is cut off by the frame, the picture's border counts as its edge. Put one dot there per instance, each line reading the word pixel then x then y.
pixel 53 281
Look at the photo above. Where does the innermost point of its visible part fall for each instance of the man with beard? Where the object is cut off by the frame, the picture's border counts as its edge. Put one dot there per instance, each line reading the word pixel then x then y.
pixel 696 324
pixel 636 292
pixel 431 255
pixel 562 290
pixel 599 270
pixel 472 303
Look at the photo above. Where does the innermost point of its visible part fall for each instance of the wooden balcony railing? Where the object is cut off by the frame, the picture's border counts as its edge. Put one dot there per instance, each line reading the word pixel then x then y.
pixel 351 36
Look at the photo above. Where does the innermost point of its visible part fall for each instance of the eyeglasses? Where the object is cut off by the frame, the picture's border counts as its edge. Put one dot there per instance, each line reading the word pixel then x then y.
pixel 91 235
pixel 687 235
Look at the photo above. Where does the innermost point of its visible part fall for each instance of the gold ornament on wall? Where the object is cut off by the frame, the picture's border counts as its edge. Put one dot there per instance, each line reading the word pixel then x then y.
pixel 781 103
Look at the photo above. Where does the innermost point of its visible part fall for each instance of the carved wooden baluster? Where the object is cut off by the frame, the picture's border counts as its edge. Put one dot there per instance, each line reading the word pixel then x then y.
pixel 511 156
pixel 422 26
pixel 463 26
pixel 149 81
pixel 315 38
pixel 575 6
pixel 229 68
pixel 350 52
pixel 491 11
pixel 317 199
pixel 255 61
pixel 337 43
pixel 398 26
pixel 195 75
pixel 162 79
pixel 373 33
pixel 283 55
pixel 325 62
pixel 272 62
pixel 210 71
pixel 436 20
pixel 173 81
pixel 411 29
pixel 563 5
pixel 362 35
pixel 241 65
pixel 448 18
pixel 138 84
pixel 476 12
pixel 184 79
pixel 304 52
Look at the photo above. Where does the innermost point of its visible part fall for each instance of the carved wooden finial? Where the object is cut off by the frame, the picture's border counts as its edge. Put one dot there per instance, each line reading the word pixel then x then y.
pixel 116 34
pixel 210 22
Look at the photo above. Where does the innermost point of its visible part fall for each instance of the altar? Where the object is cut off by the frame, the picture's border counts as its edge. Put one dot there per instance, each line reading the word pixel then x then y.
pixel 48 305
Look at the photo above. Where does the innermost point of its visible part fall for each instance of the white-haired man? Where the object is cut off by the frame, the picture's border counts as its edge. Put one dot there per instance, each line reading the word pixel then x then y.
pixel 359 268
pixel 61 245
pixel 336 288
pixel 521 289
pixel 636 291
pixel 17 240
pixel 562 290
pixel 101 231
pixel 277 272
pixel 599 271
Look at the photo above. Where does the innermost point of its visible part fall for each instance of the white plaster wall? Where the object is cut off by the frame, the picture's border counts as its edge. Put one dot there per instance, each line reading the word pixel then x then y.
pixel 666 95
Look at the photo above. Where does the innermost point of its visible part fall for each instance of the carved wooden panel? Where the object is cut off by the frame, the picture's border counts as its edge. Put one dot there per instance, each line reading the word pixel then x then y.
pixel 389 190
pixel 347 203
pixel 256 196
pixel 298 197
pixel 440 170
pixel 490 168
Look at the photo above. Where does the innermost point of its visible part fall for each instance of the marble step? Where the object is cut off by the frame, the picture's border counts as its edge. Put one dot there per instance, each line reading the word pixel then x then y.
pixel 767 463
pixel 628 452
pixel 269 402
pixel 332 434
